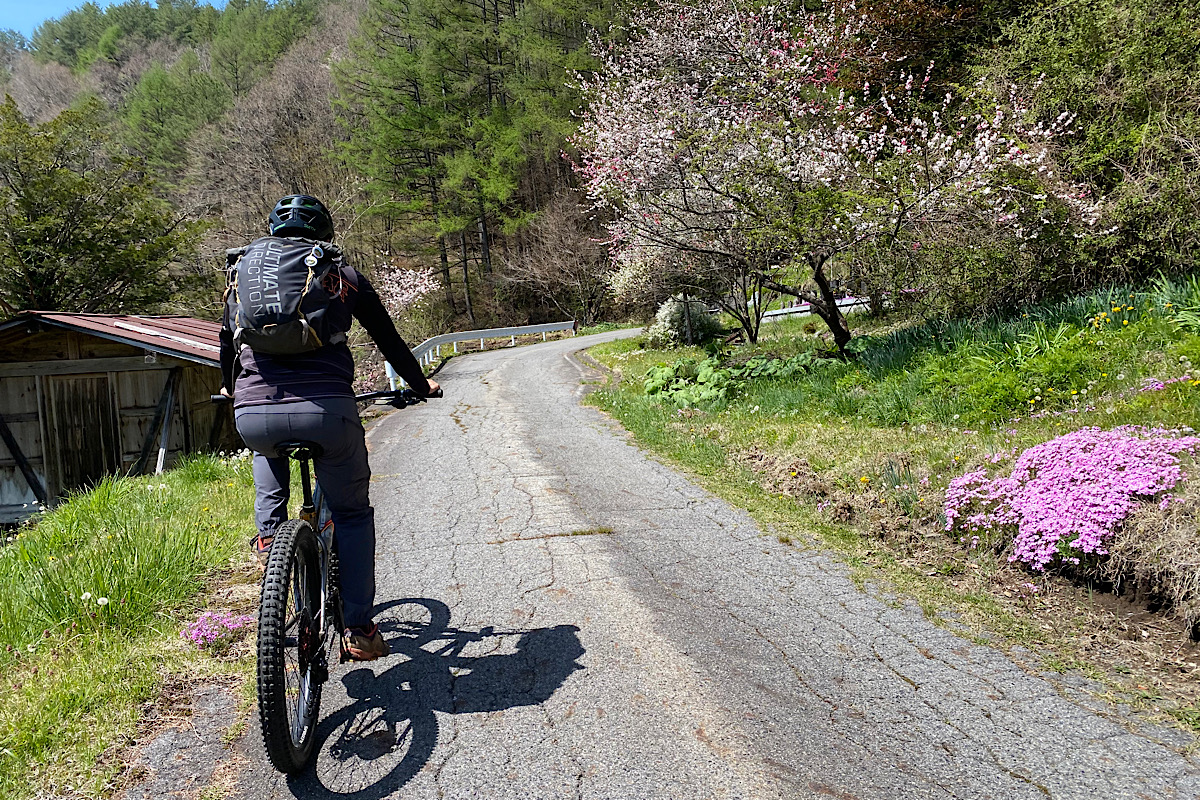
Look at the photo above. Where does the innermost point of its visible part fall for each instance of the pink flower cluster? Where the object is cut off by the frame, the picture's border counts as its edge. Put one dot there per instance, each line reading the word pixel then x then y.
pixel 1066 497
pixel 401 288
pixel 1153 385
pixel 216 629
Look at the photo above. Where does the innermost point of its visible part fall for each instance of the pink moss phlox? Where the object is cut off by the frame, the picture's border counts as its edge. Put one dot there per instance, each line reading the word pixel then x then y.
pixel 1154 385
pixel 215 628
pixel 1066 497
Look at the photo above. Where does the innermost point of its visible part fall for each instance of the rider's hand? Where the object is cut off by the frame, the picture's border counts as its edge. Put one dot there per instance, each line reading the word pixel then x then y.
pixel 225 392
pixel 434 386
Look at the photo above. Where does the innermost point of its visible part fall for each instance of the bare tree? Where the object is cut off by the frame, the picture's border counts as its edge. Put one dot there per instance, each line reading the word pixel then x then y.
pixel 279 137
pixel 41 91
pixel 113 80
pixel 560 259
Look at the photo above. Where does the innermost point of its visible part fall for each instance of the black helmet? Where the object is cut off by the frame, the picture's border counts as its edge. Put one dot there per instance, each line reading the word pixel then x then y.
pixel 301 215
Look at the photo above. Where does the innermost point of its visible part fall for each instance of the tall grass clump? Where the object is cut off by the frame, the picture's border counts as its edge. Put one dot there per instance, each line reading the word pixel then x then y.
pixel 91 600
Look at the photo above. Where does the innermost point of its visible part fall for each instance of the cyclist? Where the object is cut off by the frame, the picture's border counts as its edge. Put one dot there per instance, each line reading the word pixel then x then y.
pixel 310 397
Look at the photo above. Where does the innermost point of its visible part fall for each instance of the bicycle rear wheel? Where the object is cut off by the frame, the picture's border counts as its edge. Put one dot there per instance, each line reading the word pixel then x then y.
pixel 290 642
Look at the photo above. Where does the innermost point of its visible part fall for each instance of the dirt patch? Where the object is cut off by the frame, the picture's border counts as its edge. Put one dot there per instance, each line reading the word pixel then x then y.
pixel 791 477
pixel 184 740
pixel 896 515
pixel 1156 555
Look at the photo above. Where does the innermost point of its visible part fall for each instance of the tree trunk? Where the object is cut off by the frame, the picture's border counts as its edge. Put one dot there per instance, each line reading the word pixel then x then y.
pixel 687 319
pixel 466 276
pixel 484 246
pixel 444 258
pixel 824 304
pixel 830 312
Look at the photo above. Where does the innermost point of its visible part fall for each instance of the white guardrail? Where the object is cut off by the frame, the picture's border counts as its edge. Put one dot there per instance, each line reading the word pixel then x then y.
pixel 430 350
pixel 804 308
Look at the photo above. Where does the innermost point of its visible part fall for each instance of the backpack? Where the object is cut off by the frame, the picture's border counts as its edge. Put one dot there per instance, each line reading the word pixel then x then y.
pixel 280 291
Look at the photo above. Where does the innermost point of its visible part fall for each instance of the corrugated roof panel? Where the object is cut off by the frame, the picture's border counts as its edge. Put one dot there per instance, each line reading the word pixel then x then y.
pixel 184 337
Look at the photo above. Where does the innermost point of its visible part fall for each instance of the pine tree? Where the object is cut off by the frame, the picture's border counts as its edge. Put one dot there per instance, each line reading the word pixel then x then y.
pixel 166 107
pixel 458 112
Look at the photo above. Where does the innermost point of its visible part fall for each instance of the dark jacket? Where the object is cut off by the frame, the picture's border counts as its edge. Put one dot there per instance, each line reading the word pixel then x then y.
pixel 260 378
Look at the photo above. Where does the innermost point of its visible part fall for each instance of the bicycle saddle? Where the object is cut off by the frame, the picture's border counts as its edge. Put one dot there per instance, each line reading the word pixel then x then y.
pixel 301 450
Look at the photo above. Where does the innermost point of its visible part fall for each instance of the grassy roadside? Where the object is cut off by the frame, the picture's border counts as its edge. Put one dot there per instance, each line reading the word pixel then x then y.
pixel 92 600
pixel 857 457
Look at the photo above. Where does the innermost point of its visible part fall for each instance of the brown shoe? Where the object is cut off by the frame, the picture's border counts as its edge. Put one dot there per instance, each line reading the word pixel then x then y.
pixel 262 548
pixel 364 644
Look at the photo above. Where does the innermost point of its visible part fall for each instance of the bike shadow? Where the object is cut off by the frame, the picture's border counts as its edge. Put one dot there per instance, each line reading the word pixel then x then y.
pixel 385 735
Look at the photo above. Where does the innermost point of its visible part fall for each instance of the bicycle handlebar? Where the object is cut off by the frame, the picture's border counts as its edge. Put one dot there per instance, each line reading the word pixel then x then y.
pixel 405 396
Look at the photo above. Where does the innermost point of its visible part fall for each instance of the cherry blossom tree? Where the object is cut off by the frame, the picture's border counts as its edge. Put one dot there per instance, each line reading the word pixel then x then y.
pixel 400 288
pixel 720 140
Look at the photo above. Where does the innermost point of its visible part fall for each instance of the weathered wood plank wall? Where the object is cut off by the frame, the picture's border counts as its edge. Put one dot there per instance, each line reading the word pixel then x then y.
pixel 80 407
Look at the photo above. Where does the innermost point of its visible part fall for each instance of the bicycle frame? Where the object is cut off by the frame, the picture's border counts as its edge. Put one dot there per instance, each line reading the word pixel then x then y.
pixel 315 511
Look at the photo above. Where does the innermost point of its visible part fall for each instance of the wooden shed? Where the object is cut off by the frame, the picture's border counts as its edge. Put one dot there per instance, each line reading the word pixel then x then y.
pixel 88 395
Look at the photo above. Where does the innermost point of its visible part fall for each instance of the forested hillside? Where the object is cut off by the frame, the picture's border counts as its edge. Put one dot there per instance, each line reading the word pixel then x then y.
pixel 435 132
pixel 550 158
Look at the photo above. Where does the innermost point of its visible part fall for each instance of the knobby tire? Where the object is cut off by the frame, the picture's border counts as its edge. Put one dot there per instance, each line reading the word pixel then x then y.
pixel 287 640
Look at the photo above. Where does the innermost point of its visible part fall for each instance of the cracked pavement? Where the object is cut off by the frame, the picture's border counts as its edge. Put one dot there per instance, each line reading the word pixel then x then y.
pixel 571 619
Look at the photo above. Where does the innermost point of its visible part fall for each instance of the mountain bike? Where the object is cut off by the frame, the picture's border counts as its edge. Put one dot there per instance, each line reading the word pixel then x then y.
pixel 300 612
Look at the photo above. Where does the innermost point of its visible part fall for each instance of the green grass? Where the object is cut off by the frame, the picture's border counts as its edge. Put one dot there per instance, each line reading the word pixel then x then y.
pixel 91 601
pixel 1062 358
pixel 605 327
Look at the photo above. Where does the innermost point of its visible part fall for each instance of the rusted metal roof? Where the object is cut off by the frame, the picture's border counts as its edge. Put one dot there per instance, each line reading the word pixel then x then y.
pixel 183 337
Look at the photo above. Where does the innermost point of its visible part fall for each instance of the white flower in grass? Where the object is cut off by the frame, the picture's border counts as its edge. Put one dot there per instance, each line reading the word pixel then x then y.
pixel 31 647
pixel 85 596
pixel 101 601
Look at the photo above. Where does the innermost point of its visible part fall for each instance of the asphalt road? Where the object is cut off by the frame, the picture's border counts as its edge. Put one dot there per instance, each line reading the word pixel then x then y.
pixel 570 619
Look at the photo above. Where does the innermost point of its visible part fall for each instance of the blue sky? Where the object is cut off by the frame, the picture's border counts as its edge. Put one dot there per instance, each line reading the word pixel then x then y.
pixel 25 15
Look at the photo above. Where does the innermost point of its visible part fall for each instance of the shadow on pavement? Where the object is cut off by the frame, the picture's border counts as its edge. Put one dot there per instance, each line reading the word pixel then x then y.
pixel 377 743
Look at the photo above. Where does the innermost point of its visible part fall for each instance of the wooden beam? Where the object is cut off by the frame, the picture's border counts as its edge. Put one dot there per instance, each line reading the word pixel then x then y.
pixel 78 366
pixel 6 463
pixel 50 465
pixel 165 439
pixel 30 476
pixel 139 466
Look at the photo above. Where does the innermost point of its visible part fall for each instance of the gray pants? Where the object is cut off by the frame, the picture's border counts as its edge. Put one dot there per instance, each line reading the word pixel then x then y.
pixel 343 473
